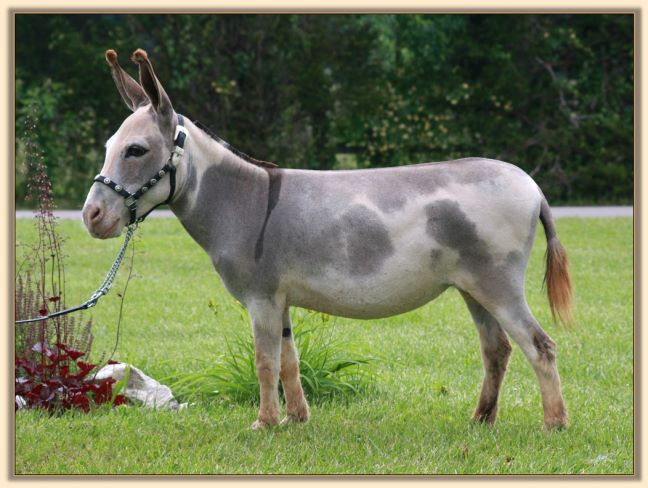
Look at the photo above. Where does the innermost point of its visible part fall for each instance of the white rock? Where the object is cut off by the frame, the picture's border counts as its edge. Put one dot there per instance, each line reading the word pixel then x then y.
pixel 141 387
pixel 20 402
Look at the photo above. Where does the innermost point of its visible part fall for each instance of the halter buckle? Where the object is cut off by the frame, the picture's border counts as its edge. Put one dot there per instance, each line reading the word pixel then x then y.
pixel 130 201
pixel 180 128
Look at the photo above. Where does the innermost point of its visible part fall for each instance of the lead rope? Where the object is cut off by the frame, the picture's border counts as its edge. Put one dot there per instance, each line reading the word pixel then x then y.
pixel 121 310
pixel 103 289
pixel 121 304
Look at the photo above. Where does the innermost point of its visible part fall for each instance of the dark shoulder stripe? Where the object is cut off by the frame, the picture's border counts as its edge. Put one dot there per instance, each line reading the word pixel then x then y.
pixel 274 189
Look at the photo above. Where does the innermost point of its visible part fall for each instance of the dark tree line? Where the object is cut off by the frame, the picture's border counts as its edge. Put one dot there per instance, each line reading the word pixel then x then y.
pixel 550 93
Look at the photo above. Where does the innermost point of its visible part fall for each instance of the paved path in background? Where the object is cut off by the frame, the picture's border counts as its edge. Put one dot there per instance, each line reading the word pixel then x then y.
pixel 592 211
pixel 585 212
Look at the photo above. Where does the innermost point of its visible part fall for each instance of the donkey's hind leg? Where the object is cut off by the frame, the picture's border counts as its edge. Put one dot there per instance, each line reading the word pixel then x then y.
pixel 518 322
pixel 495 349
pixel 296 405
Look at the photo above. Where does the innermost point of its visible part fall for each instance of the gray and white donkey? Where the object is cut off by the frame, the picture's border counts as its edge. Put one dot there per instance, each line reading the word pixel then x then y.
pixel 363 243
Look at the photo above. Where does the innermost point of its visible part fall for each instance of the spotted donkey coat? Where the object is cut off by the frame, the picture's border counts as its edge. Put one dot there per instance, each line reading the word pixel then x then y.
pixel 363 243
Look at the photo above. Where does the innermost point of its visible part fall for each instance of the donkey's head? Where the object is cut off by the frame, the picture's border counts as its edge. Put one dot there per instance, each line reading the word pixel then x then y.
pixel 135 176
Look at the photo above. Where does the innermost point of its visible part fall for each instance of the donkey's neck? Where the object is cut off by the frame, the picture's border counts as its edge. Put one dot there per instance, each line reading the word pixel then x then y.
pixel 221 198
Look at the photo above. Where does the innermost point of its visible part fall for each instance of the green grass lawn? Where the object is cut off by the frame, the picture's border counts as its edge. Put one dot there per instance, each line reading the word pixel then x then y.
pixel 416 422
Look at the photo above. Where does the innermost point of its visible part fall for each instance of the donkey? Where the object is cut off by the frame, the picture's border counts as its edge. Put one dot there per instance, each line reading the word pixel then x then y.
pixel 364 244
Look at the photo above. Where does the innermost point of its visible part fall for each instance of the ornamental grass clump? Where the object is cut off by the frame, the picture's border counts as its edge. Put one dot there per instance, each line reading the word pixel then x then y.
pixel 331 367
pixel 52 370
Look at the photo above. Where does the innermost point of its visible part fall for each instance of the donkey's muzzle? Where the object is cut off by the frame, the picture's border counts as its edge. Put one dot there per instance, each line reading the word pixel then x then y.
pixel 99 221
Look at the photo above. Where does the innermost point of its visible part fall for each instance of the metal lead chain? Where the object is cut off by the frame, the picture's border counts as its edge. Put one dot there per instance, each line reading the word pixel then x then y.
pixel 107 282
pixel 101 291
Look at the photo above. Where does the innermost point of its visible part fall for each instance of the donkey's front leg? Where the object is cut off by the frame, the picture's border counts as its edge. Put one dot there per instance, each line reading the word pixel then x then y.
pixel 296 405
pixel 267 324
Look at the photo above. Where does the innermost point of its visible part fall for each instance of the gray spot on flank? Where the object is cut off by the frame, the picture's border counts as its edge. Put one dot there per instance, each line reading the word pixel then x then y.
pixel 452 228
pixel 367 240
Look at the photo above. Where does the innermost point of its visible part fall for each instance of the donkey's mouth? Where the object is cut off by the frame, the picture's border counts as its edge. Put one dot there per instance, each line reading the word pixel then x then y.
pixel 113 231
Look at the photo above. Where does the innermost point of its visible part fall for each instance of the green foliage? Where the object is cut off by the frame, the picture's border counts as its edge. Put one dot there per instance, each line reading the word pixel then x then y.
pixel 429 382
pixel 51 368
pixel 330 367
pixel 550 93
pixel 534 90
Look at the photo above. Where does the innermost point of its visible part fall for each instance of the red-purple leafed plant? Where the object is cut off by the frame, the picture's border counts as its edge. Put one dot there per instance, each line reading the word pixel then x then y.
pixel 50 371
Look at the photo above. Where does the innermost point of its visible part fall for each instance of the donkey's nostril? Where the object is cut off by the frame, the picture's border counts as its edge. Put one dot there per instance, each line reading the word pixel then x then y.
pixel 94 213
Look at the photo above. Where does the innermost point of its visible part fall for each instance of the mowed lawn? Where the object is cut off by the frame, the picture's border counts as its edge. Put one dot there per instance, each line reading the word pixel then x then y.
pixel 416 422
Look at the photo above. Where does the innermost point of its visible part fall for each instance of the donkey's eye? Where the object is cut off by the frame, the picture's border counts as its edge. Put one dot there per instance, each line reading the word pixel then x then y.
pixel 135 151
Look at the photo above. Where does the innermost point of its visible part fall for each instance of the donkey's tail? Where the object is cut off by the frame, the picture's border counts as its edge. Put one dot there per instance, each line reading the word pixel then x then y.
pixel 557 278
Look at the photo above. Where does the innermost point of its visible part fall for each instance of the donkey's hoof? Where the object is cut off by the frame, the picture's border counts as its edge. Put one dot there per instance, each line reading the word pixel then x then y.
pixel 294 419
pixel 299 414
pixel 556 424
pixel 486 416
pixel 260 425
pixel 488 420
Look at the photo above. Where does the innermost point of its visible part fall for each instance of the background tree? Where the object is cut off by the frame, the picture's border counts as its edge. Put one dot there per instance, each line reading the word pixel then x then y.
pixel 550 93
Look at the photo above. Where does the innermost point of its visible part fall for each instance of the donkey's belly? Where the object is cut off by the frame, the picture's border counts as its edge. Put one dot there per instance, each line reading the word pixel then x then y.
pixel 380 295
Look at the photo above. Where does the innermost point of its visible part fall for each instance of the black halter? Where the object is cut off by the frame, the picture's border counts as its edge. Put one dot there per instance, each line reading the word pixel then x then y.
pixel 130 199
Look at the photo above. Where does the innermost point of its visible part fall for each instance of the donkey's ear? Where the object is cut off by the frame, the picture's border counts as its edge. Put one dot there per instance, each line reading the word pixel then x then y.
pixel 150 83
pixel 131 92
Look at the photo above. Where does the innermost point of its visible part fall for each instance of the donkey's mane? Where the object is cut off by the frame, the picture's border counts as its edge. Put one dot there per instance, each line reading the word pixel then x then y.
pixel 240 154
